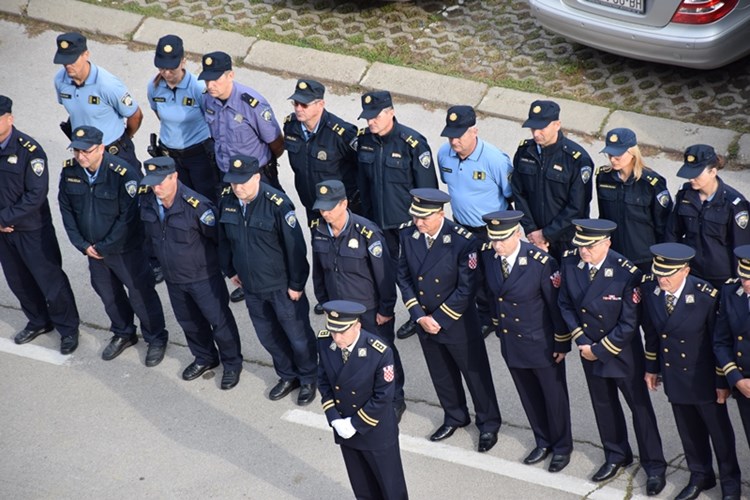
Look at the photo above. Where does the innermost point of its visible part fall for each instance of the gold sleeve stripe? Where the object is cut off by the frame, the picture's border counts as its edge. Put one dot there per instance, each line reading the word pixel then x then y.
pixel 450 312
pixel 411 303
pixel 651 356
pixel 327 405
pixel 576 333
pixel 565 337
pixel 608 345
pixel 366 418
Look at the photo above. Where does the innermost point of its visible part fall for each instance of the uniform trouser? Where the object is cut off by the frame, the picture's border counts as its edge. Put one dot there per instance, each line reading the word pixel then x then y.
pixel 375 474
pixel 199 173
pixel 695 424
pixel 387 333
pixel 446 363
pixel 393 243
pixel 483 294
pixel 111 276
pixel 202 310
pixel 544 396
pixel 743 405
pixel 283 328
pixel 610 419
pixel 32 265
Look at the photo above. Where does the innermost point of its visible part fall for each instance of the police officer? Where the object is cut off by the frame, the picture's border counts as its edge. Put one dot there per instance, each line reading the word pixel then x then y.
pixel 356 380
pixel 599 300
pixel 437 278
pixel 100 213
pixel 732 335
pixel 182 227
pixel 94 97
pixel 478 178
pixel 550 180
pixel 351 260
pixel 393 159
pixel 29 252
pixel 710 216
pixel 176 95
pixel 524 283
pixel 261 248
pixel 633 196
pixel 678 323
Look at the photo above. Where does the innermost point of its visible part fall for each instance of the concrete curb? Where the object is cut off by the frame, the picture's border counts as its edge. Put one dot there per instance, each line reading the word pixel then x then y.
pixel 665 134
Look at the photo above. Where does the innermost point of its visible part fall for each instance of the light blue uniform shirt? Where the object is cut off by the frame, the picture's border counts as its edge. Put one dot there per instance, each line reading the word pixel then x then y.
pixel 102 101
pixel 180 113
pixel 478 185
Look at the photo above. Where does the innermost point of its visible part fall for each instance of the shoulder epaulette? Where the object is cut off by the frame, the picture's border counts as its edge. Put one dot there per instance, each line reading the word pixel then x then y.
pixel 227 190
pixel 143 189
pixel 732 281
pixel 462 231
pixel 68 163
pixel 572 152
pixel 524 142
pixel 486 246
pixel 336 128
pixel 118 169
pixel 627 265
pixel 361 131
pixel 408 139
pixel 707 289
pixel 27 144
pixel 275 198
pixel 367 233
pixel 537 255
pixel 648 277
pixel 652 179
pixel 250 100
pixel 603 169
pixel 406 224
pixel 572 251
pixel 288 117
pixel 378 345
pixel 324 334
pixel 192 200
pixel 315 222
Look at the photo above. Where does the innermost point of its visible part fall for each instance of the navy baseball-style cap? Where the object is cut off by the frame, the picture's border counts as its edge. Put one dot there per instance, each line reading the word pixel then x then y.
pixel 169 52
pixel 6 105
pixel 85 136
pixel 590 231
pixel 342 314
pixel 502 225
pixel 458 120
pixel 157 169
pixel 743 261
pixel 69 47
pixel 307 91
pixel 427 201
pixel 697 158
pixel 375 102
pixel 670 258
pixel 328 194
pixel 619 140
pixel 241 168
pixel 214 65
pixel 541 114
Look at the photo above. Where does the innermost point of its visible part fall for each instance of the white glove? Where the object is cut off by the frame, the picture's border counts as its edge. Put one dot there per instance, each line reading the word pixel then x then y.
pixel 344 427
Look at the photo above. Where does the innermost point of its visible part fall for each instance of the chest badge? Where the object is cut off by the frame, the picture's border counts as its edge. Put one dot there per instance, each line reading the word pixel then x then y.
pixel 609 272
pixel 322 156
pixel 362 352
pixel 353 243
pixel 522 261
pixel 13 159
pixel 238 118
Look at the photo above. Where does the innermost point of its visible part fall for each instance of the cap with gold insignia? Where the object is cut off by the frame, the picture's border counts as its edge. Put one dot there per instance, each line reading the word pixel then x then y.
pixel 342 314
pixel 85 136
pixel 697 158
pixel 458 120
pixel 169 52
pixel 69 47
pixel 375 102
pixel 214 65
pixel 541 114
pixel 591 231
pixel 308 91
pixel 157 169
pixel 619 140
pixel 6 105
pixel 670 258
pixel 427 201
pixel 328 194
pixel 743 261
pixel 503 224
pixel 241 168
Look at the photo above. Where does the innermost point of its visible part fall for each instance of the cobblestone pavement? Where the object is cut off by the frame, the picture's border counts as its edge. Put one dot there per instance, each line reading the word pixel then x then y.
pixel 496 41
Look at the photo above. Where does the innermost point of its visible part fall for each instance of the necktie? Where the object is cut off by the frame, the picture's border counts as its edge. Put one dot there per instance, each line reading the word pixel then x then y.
pixel 430 240
pixel 592 273
pixel 670 303
pixel 505 266
pixel 161 213
pixel 345 355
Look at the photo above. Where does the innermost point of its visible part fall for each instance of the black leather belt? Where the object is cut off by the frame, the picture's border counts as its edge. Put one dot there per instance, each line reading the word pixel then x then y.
pixel 194 150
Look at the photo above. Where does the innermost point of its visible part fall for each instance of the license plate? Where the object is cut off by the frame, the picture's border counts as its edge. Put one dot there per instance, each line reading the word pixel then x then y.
pixel 626 5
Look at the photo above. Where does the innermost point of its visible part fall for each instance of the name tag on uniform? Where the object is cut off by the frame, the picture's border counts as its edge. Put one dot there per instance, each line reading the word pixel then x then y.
pixel 558 168
pixel 395 155
pixel 65 96
pixel 159 99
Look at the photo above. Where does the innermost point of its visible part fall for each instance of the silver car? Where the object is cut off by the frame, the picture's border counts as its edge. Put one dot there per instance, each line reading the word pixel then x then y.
pixel 702 34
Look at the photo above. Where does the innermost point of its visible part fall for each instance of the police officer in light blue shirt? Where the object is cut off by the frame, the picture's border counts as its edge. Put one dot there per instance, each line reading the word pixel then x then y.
pixel 94 97
pixel 175 95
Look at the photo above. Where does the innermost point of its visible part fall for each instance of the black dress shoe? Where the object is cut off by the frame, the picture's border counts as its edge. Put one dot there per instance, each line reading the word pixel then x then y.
pixel 536 456
pixel 283 388
pixel 399 410
pixel 306 394
pixel 407 330
pixel 25 335
pixel 444 432
pixel 68 344
pixel 654 485
pixel 318 309
pixel 487 330
pixel 230 379
pixel 158 274
pixel 155 354
pixel 609 470
pixel 692 490
pixel 558 462
pixel 195 370
pixel 238 295
pixel 117 345
pixel 486 441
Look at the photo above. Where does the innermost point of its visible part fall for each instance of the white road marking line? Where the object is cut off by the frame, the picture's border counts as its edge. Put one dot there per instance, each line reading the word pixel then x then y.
pixel 476 460
pixel 32 351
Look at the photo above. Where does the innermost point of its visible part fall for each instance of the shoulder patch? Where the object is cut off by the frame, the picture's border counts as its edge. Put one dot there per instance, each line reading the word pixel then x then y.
pixel 378 345
pixel 741 219
pixel 291 219
pixel 208 218
pixel 37 166
pixel 132 188
pixel 250 100
pixel 664 198
pixel 376 249
pixel 585 174
pixel 324 334
pixel 275 199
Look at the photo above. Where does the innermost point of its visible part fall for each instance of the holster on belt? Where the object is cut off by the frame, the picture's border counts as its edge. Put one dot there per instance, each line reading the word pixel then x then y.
pixel 271 169
pixel 67 129
pixel 154 148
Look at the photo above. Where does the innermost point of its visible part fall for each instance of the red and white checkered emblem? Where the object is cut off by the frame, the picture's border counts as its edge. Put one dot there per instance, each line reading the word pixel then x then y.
pixel 388 373
pixel 556 279
pixel 473 260
pixel 636 295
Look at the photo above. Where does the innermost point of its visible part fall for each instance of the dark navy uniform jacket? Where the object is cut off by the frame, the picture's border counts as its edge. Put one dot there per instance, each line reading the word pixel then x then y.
pixel 331 153
pixel 526 313
pixel 713 229
pixel 185 243
pixel 354 266
pixel 640 208
pixel 389 167
pixel 24 183
pixel 604 312
pixel 680 345
pixel 362 388
pixel 552 189
pixel 732 333
pixel 441 281
pixel 265 247
pixel 104 214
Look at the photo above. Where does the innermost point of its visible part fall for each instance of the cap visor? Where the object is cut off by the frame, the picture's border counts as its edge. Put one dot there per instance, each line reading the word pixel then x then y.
pixel 77 144
pixel 210 75
pixel 325 204
pixel 167 62
pixel 537 124
pixel 66 58
pixel 153 179
pixel 303 98
pixel 235 178
pixel 614 150
pixel 369 114
pixel 687 171
pixel 453 132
